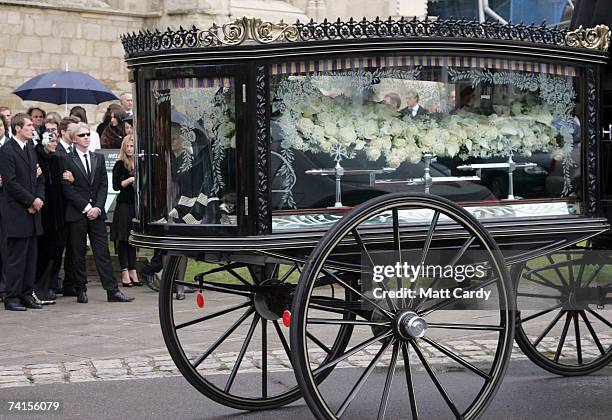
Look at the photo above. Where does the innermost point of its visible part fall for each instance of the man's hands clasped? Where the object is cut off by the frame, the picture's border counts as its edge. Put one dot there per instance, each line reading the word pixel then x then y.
pixel 36 206
pixel 93 213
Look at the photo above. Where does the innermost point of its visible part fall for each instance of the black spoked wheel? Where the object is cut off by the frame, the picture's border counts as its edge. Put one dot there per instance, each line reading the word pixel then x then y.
pixel 242 342
pixel 452 347
pixel 565 318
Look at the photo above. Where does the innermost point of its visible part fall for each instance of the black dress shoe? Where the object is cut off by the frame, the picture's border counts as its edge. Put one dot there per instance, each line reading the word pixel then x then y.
pixel 30 302
pixel 82 297
pixel 12 304
pixel 117 296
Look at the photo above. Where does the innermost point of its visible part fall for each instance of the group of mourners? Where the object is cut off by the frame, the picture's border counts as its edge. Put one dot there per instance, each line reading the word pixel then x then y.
pixel 53 189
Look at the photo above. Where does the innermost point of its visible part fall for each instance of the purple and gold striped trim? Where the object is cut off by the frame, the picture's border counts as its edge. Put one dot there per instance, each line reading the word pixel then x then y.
pixel 337 64
pixel 186 83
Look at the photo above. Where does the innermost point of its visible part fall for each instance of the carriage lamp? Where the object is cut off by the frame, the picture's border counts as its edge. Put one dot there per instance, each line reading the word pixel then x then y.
pixel 511 166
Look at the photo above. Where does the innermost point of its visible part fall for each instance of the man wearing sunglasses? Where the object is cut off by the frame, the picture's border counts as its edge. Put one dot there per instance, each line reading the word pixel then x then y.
pixel 85 215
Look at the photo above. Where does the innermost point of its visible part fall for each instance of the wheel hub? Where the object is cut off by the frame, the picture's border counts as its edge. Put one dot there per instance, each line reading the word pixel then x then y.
pixel 408 325
pixel 272 299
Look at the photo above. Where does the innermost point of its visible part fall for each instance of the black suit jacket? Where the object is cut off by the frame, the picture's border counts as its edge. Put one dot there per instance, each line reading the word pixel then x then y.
pixel 420 112
pixel 20 188
pixel 60 151
pixel 84 190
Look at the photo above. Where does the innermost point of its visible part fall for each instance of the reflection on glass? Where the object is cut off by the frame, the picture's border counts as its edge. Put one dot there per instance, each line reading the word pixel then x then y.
pixel 194 137
pixel 511 127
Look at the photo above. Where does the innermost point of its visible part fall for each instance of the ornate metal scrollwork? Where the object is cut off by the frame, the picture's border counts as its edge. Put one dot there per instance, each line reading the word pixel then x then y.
pixel 591 143
pixel 597 38
pixel 246 28
pixel 264 210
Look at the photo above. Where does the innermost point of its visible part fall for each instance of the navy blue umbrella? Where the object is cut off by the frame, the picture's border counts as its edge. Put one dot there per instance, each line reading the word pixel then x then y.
pixel 65 87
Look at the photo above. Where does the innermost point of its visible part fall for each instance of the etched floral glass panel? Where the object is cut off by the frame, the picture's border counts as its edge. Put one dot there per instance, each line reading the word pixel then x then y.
pixel 480 132
pixel 194 147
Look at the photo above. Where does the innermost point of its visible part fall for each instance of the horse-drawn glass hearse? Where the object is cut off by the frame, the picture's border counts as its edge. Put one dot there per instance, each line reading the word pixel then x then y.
pixel 301 173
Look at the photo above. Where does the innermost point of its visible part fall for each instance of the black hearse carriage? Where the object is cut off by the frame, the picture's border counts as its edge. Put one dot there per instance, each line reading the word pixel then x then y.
pixel 286 171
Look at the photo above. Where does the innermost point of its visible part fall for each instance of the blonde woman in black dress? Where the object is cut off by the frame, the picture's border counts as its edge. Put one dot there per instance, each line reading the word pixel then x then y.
pixel 123 181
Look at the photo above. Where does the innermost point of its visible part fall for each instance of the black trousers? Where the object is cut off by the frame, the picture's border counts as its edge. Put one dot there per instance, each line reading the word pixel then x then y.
pixel 155 265
pixel 20 266
pixel 127 255
pixel 98 238
pixel 68 282
pixel 2 255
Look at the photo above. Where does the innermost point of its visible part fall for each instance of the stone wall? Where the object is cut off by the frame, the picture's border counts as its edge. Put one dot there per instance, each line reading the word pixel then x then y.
pixel 39 39
pixel 38 36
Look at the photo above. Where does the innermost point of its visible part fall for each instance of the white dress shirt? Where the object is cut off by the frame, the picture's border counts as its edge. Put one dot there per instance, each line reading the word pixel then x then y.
pixel 21 144
pixel 85 165
pixel 65 145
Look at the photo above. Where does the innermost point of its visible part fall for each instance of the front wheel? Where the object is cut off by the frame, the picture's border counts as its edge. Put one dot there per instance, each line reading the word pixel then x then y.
pixel 236 354
pixel 428 331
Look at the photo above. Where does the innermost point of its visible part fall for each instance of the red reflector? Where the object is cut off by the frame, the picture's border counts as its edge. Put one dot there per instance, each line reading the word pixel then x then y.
pixel 200 299
pixel 287 318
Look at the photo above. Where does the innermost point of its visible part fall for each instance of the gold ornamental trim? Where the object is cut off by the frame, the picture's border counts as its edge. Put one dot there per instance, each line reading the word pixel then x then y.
pixel 248 29
pixel 597 38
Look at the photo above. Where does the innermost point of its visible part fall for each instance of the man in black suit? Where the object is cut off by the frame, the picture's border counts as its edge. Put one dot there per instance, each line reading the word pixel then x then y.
pixel 21 201
pixel 413 109
pixel 64 148
pixel 4 136
pixel 85 214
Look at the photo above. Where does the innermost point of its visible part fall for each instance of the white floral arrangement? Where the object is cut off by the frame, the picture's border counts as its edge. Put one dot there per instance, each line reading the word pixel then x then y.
pixel 322 124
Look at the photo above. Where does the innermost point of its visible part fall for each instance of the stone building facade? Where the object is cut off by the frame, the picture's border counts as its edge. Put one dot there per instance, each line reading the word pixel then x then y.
pixel 83 35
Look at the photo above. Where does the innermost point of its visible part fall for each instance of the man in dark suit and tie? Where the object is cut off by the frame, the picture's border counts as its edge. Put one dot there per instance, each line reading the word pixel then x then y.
pixel 21 201
pixel 85 214
pixel 4 136
pixel 413 109
pixel 64 148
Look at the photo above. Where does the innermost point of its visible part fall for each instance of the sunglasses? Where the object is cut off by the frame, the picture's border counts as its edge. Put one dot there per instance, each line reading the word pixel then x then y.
pixel 83 135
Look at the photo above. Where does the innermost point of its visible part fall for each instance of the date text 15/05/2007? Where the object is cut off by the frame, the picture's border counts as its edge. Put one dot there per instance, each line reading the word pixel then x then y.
pixel 457 293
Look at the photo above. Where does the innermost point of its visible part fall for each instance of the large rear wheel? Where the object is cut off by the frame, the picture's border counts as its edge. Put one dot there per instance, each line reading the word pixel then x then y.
pixel 565 311
pixel 429 333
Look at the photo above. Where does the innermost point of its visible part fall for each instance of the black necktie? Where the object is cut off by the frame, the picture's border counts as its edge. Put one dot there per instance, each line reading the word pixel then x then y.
pixel 69 149
pixel 87 165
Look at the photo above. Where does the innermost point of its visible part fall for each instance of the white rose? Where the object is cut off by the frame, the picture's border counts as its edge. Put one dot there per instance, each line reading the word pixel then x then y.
pixel 372 153
pixel 331 130
pixel 347 134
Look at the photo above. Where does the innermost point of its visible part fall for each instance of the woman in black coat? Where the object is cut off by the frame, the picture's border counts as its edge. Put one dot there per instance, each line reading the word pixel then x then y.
pixel 52 216
pixel 123 181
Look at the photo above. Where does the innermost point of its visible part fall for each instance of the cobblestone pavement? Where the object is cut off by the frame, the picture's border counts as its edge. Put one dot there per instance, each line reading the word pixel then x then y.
pixel 140 367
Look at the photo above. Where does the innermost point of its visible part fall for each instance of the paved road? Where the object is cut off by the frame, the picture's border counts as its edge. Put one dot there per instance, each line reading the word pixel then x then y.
pixel 526 393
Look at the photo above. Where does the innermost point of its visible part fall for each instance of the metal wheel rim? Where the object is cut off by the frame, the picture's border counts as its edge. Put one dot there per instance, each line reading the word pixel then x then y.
pixel 301 360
